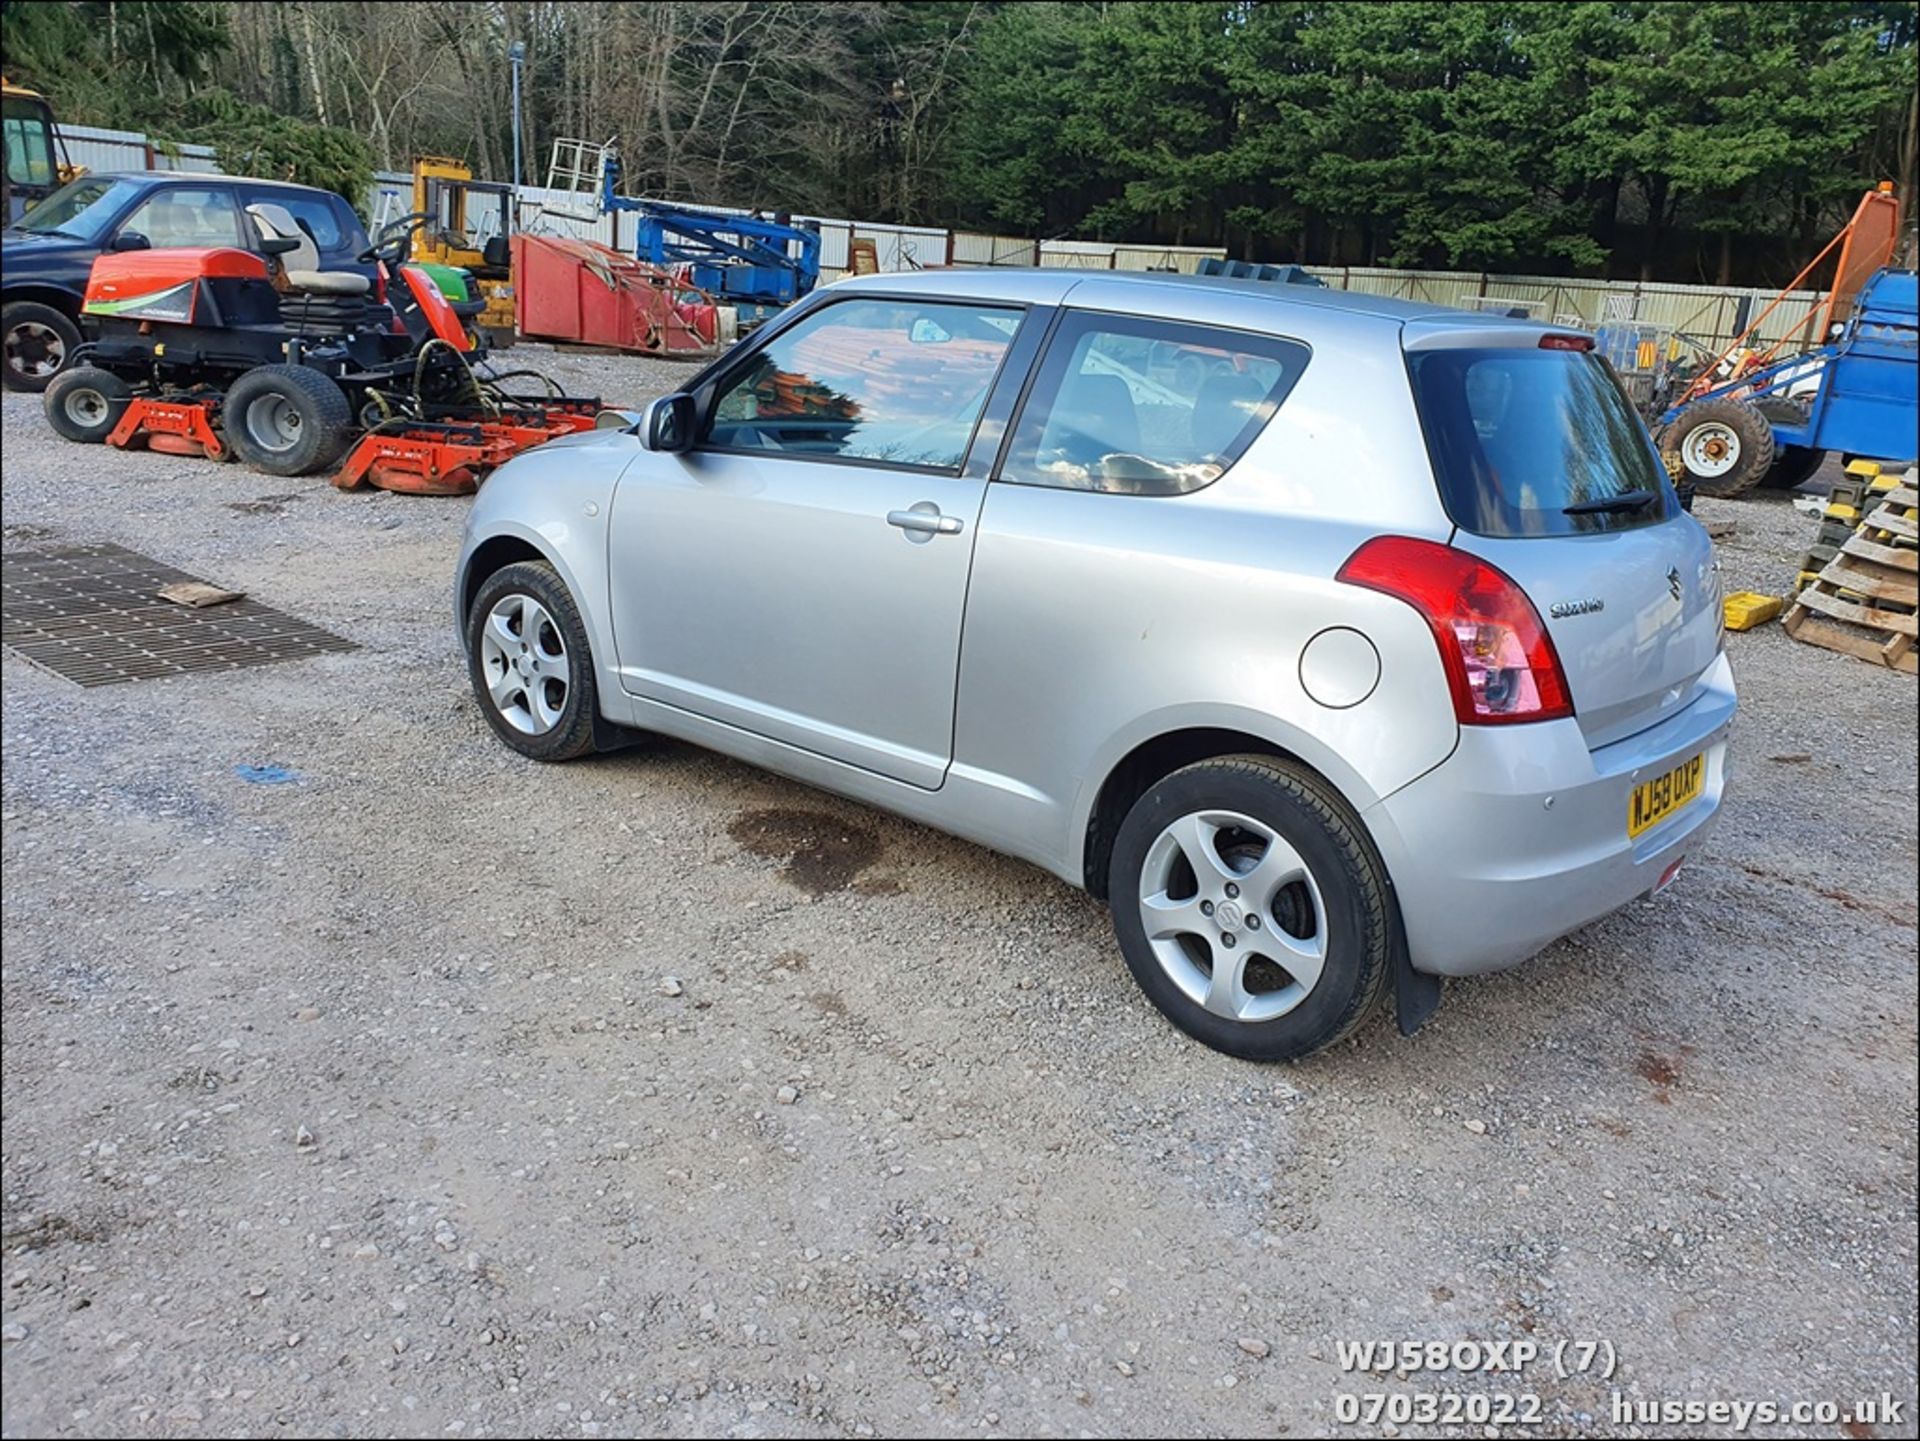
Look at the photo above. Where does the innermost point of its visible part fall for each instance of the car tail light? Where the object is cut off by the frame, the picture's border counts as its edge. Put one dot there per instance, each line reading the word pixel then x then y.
pixel 1499 659
pixel 1566 342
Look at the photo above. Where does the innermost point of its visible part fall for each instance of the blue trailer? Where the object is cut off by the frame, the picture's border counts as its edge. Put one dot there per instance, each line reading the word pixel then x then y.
pixel 1858 394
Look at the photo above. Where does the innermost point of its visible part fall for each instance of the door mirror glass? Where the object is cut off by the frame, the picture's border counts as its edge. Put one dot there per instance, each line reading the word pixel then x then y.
pixel 668 425
pixel 927 331
pixel 131 240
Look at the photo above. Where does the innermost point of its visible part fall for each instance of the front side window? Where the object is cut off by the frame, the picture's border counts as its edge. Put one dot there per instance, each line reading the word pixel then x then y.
pixel 893 382
pixel 1132 406
pixel 178 215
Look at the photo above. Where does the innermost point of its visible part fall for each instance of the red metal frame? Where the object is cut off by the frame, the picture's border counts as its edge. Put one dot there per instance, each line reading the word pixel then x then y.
pixel 174 427
pixel 451 457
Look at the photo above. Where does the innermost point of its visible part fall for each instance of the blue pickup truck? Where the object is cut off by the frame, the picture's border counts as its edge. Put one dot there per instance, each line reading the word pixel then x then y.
pixel 46 255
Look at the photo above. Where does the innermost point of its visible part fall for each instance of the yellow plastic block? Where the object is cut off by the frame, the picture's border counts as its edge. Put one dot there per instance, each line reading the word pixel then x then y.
pixel 1747 608
pixel 1868 468
pixel 1836 511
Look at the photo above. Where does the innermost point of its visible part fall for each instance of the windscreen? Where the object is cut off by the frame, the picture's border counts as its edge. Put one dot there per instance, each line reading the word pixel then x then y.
pixel 1534 442
pixel 80 209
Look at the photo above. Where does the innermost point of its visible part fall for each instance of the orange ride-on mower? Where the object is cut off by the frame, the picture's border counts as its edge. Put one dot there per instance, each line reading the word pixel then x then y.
pixel 211 351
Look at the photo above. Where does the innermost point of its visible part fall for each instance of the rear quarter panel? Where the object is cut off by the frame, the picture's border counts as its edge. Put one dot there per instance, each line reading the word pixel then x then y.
pixel 1096 622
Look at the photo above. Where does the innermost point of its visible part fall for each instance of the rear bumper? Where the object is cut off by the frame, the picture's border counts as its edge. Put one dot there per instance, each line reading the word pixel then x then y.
pixel 1521 835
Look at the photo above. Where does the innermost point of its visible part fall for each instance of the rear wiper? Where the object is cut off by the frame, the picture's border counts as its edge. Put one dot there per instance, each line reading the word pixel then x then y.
pixel 1614 504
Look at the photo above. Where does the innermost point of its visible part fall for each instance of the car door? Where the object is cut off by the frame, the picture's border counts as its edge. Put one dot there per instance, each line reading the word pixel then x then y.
pixel 801 573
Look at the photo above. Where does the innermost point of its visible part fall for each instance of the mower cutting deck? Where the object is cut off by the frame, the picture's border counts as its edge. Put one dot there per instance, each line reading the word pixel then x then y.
pixel 206 352
pixel 451 457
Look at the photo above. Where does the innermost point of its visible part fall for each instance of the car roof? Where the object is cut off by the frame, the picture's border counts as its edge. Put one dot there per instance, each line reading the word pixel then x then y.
pixel 204 176
pixel 1055 286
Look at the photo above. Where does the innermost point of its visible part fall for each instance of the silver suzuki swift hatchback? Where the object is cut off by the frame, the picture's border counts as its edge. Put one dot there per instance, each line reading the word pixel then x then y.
pixel 1339 643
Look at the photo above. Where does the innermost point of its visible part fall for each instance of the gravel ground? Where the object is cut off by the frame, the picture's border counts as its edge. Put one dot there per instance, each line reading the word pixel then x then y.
pixel 439 1093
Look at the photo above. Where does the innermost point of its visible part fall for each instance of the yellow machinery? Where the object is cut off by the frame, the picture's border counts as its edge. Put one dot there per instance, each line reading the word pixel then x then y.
pixel 36 158
pixel 470 224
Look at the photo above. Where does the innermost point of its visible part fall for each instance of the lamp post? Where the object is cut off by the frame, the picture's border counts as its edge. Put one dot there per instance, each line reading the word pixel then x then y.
pixel 517 54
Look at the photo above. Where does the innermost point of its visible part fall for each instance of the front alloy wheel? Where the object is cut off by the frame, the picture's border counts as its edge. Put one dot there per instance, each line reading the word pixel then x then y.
pixel 531 664
pixel 525 659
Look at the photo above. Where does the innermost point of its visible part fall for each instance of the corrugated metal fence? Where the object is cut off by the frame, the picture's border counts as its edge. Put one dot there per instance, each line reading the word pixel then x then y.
pixel 1707 313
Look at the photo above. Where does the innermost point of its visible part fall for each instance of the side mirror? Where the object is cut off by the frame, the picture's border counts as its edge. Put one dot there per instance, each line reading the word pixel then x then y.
pixel 278 244
pixel 130 240
pixel 667 423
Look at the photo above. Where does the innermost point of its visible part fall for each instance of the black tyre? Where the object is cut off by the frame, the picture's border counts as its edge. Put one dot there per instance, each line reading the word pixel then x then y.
pixel 287 420
pixel 85 403
pixel 1252 907
pixel 38 341
pixel 1725 446
pixel 1793 466
pixel 531 663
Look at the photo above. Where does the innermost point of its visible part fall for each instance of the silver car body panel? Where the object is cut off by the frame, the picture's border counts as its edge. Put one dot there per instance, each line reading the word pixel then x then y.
pixel 988 682
pixel 1521 836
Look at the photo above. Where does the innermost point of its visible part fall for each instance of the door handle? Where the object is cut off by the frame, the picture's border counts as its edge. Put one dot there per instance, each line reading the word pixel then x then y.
pixel 924 521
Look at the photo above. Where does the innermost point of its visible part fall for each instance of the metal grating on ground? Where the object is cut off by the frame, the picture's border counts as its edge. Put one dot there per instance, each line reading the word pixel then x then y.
pixel 89 613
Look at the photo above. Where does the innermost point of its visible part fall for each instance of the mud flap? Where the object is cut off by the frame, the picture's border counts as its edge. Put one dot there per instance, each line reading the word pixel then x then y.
pixel 1416 994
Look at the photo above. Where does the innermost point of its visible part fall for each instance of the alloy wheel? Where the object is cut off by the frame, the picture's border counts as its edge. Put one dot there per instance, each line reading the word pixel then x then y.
pixel 35 350
pixel 525 659
pixel 1234 915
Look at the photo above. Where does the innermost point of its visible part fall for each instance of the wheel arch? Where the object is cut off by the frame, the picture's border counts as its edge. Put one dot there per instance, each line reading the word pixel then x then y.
pixel 495 553
pixel 1146 759
pixel 36 292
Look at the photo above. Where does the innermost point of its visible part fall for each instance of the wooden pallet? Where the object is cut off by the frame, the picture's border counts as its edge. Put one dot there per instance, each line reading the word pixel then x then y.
pixel 1865 601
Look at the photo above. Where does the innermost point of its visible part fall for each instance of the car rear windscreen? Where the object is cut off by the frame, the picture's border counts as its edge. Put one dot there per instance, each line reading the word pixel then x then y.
pixel 1531 442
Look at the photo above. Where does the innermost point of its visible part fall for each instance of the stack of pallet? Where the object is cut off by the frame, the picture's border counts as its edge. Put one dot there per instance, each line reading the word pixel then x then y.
pixel 1864 598
pixel 1851 498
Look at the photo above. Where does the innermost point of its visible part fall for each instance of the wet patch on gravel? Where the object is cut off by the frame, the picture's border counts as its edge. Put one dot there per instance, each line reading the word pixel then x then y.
pixel 818 853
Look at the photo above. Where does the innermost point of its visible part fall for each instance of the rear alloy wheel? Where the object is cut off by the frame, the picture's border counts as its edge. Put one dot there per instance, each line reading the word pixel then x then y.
pixel 287 420
pixel 1724 446
pixel 85 404
pixel 531 664
pixel 1251 907
pixel 38 341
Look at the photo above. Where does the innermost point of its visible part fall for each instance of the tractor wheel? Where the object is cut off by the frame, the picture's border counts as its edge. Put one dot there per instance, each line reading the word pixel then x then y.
pixel 85 403
pixel 1725 446
pixel 287 420
pixel 1792 464
pixel 38 341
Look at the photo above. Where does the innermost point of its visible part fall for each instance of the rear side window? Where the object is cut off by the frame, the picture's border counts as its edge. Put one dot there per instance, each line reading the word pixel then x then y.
pixel 1132 406
pixel 316 215
pixel 1519 436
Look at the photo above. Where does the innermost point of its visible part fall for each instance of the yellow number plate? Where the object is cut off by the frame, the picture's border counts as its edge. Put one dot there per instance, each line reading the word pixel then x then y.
pixel 1653 801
